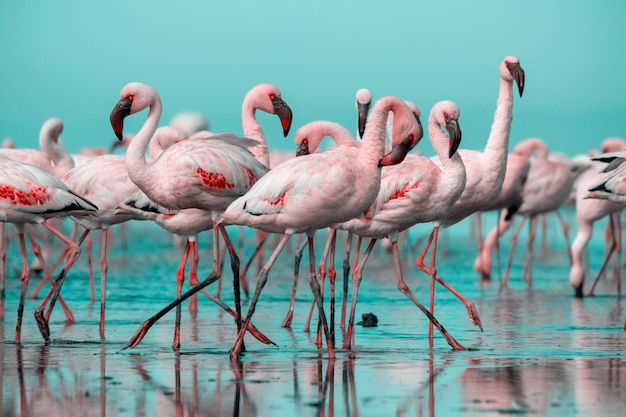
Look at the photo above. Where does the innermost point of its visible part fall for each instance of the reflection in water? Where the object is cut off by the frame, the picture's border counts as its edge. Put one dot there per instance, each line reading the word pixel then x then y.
pixel 542 353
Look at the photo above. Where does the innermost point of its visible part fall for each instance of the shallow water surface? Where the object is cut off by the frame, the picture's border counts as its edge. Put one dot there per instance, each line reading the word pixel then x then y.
pixel 542 352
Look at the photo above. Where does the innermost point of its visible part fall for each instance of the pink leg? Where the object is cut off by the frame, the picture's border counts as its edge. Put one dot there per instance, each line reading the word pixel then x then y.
pixel 180 279
pixel 527 272
pixel 565 229
pixel 332 233
pixel 613 224
pixel 296 273
pixel 544 237
pixel 193 273
pixel 471 308
pixel 401 284
pixel 92 278
pixel 3 269
pixel 505 283
pixel 69 316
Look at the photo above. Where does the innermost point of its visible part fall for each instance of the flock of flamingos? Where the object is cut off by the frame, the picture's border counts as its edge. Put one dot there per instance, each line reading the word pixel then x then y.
pixel 188 180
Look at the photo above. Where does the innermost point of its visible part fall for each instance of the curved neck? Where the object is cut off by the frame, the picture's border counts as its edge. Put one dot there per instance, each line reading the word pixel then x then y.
pixel 252 129
pixel 138 169
pixel 497 146
pixel 453 167
pixel 373 147
pixel 529 146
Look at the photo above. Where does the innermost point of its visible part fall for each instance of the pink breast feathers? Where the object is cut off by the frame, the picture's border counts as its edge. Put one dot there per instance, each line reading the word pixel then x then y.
pixel 37 195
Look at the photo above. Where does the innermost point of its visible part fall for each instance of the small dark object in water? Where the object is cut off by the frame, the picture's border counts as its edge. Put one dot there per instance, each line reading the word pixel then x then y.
pixel 369 320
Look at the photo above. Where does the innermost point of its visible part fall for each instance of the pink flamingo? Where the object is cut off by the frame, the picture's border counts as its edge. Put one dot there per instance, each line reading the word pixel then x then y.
pixel 415 191
pixel 588 210
pixel 277 204
pixel 546 189
pixel 189 122
pixel 281 201
pixel 53 158
pixel 31 195
pixel 485 170
pixel 510 198
pixel 202 174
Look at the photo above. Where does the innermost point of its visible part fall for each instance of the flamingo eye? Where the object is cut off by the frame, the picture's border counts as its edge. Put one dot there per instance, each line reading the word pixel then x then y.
pixel 445 114
pixel 131 97
pixel 305 141
pixel 411 137
pixel 272 96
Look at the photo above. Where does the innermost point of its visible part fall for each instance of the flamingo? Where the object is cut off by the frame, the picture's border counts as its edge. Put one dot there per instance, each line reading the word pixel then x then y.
pixel 484 170
pixel 31 195
pixel 202 174
pixel 189 122
pixel 546 189
pixel 588 211
pixel 53 158
pixel 415 191
pixel 302 195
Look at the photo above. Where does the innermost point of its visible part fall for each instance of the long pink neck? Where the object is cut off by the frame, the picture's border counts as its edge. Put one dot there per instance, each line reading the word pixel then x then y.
pixel 139 171
pixel 497 146
pixel 453 168
pixel 373 146
pixel 252 129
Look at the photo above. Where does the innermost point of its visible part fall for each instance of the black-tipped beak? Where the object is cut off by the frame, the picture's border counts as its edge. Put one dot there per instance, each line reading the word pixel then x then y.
pixel 362 111
pixel 397 153
pixel 119 113
pixel 454 132
pixel 419 123
pixel 283 111
pixel 517 72
pixel 303 149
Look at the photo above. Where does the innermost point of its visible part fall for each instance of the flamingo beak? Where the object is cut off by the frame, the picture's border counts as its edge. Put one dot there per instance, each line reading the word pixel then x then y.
pixel 397 153
pixel 303 149
pixel 284 113
pixel 419 124
pixel 517 72
pixel 454 131
pixel 119 113
pixel 362 110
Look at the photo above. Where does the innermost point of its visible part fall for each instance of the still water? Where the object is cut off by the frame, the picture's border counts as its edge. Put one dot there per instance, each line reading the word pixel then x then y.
pixel 542 351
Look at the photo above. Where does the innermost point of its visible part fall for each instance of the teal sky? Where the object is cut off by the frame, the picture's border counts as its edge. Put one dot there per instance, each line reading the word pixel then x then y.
pixel 70 59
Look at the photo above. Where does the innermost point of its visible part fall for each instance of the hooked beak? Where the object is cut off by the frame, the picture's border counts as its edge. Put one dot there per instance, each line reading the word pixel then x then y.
pixel 419 123
pixel 303 149
pixel 362 110
pixel 284 113
pixel 518 75
pixel 454 131
pixel 397 153
pixel 119 113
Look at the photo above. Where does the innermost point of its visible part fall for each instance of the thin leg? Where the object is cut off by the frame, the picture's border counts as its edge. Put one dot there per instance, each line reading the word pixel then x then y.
pixel 317 294
pixel 346 277
pixel 237 347
pixel 296 273
pixel 244 271
pixel 401 284
pixel 180 279
pixel 357 277
pixel 24 278
pixel 613 247
pixel 511 251
pixel 104 268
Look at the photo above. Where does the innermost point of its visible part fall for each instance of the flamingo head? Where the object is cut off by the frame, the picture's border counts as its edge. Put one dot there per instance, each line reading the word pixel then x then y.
pixel 511 70
pixel 363 103
pixel 119 113
pixel 267 97
pixel 454 132
pixel 284 113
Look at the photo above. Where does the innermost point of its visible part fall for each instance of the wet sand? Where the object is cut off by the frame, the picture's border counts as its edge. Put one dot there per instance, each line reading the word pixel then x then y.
pixel 542 352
